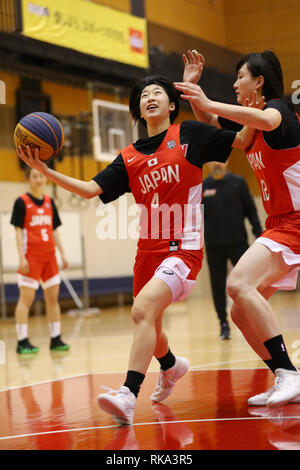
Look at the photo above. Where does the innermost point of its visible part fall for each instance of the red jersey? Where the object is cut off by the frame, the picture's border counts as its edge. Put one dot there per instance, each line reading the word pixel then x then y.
pixel 278 175
pixel 168 189
pixel 38 229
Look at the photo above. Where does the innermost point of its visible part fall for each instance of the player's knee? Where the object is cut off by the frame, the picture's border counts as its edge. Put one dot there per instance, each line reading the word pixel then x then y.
pixel 140 311
pixel 51 296
pixel 26 301
pixel 235 316
pixel 51 300
pixel 235 286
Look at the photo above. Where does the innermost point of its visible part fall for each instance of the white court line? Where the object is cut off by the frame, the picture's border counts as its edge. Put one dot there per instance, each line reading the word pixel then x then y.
pixel 192 369
pixel 205 420
pixel 212 364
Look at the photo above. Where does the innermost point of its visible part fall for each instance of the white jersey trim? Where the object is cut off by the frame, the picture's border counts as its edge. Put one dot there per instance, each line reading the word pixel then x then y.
pixel 192 238
pixel 292 178
pixel 289 281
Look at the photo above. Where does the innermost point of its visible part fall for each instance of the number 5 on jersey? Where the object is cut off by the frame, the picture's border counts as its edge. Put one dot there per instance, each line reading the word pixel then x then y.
pixel 44 234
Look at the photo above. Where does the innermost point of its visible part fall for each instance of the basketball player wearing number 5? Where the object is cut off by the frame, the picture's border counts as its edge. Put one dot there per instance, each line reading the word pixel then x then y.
pixel 163 171
pixel 36 220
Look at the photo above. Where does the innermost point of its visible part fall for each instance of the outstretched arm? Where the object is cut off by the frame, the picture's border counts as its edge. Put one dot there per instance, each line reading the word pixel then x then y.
pixel 193 68
pixel 86 189
pixel 265 120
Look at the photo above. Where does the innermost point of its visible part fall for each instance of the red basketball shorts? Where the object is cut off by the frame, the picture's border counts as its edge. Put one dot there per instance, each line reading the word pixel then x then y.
pixel 282 234
pixel 40 270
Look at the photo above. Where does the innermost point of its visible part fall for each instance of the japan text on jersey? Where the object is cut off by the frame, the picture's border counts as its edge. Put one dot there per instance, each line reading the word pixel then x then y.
pixel 168 189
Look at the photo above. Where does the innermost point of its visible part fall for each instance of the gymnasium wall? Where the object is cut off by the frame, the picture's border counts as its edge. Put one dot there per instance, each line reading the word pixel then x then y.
pixel 240 26
pixel 202 19
pixel 266 24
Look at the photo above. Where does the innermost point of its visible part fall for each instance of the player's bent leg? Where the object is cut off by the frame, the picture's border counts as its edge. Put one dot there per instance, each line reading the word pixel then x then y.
pixel 162 343
pixel 148 305
pixel 257 269
pixel 241 320
pixel 173 271
pixel 151 301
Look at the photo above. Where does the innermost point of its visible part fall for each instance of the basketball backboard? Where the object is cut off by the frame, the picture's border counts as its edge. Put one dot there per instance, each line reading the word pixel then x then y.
pixel 113 129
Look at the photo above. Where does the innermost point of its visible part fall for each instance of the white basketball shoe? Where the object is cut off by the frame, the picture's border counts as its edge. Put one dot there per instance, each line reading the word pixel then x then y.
pixel 120 404
pixel 287 387
pixel 262 398
pixel 168 378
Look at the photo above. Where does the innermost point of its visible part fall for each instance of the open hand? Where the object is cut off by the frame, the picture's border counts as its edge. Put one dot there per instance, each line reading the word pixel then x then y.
pixel 65 263
pixel 193 66
pixel 32 159
pixel 24 266
pixel 255 102
pixel 193 93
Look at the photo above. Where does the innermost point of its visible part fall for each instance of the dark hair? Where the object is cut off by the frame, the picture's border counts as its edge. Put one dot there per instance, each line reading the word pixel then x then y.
pixel 136 91
pixel 28 170
pixel 265 64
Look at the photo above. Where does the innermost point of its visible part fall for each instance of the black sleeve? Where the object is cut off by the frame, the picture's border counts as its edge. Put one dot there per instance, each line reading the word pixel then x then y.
pixel 113 180
pixel 250 208
pixel 284 110
pixel 230 125
pixel 18 214
pixel 205 143
pixel 56 218
pixel 287 134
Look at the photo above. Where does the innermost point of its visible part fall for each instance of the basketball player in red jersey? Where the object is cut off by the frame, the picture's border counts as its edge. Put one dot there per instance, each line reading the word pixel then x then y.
pixel 164 173
pixel 273 261
pixel 36 219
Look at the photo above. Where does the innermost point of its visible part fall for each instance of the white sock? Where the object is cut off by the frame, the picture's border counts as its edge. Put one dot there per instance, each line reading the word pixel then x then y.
pixel 54 328
pixel 22 331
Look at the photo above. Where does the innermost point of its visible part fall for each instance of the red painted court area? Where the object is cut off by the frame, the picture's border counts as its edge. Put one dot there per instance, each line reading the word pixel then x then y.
pixel 207 411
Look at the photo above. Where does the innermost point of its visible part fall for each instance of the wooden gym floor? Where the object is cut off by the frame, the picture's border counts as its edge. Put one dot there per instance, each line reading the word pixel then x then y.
pixel 49 401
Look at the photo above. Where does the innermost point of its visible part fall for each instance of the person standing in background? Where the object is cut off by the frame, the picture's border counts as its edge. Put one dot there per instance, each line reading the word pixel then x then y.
pixel 227 202
pixel 36 220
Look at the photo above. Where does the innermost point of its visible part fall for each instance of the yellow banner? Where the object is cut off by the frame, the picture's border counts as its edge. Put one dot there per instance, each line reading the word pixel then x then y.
pixel 88 28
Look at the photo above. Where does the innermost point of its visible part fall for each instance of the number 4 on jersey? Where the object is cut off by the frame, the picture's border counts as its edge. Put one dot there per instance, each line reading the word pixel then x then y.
pixel 155 200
